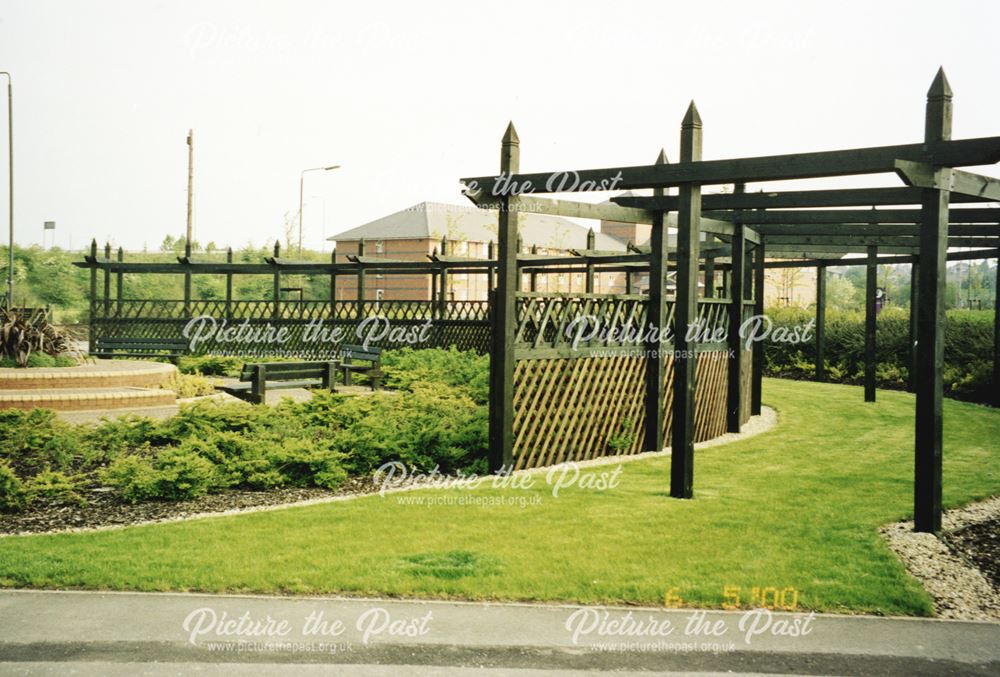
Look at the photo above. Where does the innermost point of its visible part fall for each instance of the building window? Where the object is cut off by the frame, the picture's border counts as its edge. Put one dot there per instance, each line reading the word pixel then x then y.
pixel 379 247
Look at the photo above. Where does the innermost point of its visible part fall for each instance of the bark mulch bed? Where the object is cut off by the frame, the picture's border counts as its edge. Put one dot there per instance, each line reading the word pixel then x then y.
pixel 104 509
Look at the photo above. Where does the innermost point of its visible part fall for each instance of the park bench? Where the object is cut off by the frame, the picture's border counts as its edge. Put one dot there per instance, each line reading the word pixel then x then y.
pixel 257 379
pixel 370 366
pixel 140 347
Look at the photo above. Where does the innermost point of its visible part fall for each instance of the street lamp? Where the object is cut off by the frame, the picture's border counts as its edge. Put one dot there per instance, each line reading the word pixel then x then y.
pixel 10 159
pixel 302 179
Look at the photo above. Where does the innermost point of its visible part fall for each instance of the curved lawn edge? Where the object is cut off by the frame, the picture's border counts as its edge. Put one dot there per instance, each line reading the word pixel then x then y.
pixel 798 508
pixel 757 425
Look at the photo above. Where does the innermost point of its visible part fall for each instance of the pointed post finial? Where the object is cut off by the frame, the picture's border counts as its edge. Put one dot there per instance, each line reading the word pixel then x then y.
pixel 107 250
pixel 937 116
pixel 591 239
pixel 940 88
pixel 691 135
pixel 661 157
pixel 277 248
pixel 692 120
pixel 510 136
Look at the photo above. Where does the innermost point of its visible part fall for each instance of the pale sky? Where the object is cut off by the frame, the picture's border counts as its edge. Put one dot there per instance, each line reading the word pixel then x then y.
pixel 410 96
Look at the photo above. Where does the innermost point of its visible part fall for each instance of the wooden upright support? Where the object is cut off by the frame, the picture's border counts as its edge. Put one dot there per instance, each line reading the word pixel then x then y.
pixel 93 297
pixel 996 337
pixel 491 254
pixel 504 316
pixel 443 298
pixel 229 285
pixel 434 287
pixel 656 358
pixel 119 283
pixel 734 381
pixel 821 322
pixel 871 285
pixel 533 276
pixel 107 280
pixel 591 245
pixel 685 314
pixel 187 278
pixel 757 373
pixel 276 284
pixel 709 277
pixel 914 303
pixel 930 322
pixel 333 285
pixel 361 279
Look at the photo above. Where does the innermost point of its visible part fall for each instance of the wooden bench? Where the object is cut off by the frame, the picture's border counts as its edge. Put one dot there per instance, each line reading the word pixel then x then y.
pixel 140 347
pixel 371 367
pixel 257 379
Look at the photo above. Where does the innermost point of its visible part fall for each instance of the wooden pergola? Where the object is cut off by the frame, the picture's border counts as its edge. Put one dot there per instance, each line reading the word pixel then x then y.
pixel 933 209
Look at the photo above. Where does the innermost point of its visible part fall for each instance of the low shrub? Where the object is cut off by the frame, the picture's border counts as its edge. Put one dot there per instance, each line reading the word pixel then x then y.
pixel 12 495
pixel 172 474
pixel 190 385
pixel 466 370
pixel 52 487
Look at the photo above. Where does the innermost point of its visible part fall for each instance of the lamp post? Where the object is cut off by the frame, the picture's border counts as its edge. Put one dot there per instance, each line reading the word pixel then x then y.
pixel 10 159
pixel 302 180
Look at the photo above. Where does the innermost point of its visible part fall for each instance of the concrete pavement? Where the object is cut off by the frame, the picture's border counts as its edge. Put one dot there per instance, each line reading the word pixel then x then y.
pixel 85 633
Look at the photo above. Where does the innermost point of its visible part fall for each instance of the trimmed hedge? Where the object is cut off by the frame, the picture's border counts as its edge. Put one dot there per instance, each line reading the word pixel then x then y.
pixel 967 359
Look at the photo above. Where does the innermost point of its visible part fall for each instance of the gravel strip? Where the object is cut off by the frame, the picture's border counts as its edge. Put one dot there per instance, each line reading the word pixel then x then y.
pixel 950 575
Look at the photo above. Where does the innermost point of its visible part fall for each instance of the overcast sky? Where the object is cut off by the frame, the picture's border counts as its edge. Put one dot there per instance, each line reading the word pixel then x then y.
pixel 410 96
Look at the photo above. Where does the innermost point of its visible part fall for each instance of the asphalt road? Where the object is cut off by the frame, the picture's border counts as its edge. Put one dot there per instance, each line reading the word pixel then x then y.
pixel 82 633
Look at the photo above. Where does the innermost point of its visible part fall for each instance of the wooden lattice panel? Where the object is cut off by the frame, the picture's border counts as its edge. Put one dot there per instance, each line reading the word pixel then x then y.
pixel 568 409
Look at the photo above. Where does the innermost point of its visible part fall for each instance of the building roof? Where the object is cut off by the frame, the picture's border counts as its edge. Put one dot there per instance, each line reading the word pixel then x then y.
pixel 433 220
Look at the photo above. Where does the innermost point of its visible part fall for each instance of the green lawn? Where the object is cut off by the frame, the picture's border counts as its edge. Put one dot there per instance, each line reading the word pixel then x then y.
pixel 794 508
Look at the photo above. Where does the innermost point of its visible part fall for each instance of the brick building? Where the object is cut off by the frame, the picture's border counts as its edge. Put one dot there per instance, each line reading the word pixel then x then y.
pixel 414 233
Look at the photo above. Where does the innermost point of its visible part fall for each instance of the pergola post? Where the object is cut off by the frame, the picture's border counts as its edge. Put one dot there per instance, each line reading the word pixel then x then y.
pixel 434 286
pixel 93 296
pixel 734 390
pixel 709 277
pixel 504 316
pixel 333 285
pixel 443 297
pixel 119 280
pixel 107 279
pixel 533 275
pixel 996 338
pixel 930 322
pixel 871 284
pixel 821 322
pixel 229 284
pixel 914 302
pixel 275 284
pixel 591 245
pixel 361 279
pixel 490 274
pixel 187 278
pixel 657 315
pixel 757 375
pixel 685 314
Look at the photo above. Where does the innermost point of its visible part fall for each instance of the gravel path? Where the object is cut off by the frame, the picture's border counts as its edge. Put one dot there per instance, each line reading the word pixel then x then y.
pixel 949 567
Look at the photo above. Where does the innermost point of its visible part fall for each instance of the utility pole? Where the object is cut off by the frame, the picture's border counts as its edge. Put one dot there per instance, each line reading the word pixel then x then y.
pixel 190 211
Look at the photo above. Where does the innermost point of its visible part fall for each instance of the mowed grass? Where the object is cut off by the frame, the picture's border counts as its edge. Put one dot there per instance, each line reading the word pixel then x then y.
pixel 797 507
